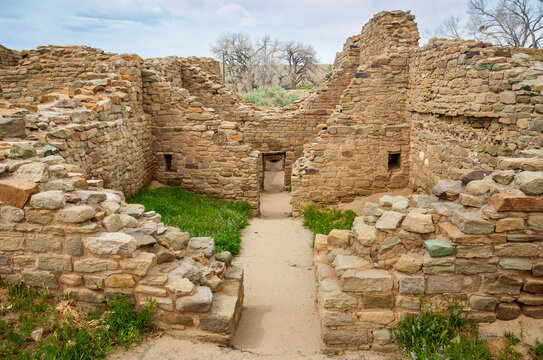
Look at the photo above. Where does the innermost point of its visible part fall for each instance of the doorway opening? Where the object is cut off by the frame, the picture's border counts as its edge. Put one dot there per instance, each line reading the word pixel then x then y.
pixel 273 165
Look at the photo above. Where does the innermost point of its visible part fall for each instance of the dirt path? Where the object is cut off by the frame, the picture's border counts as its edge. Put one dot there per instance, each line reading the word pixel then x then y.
pixel 279 319
pixel 279 315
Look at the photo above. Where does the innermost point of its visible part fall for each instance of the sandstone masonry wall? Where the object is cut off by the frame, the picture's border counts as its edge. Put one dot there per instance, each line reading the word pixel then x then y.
pixel 8 57
pixel 477 240
pixel 99 125
pixel 365 146
pixel 469 104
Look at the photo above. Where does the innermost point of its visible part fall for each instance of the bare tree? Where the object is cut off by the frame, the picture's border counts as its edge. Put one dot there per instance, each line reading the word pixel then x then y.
pixel 450 28
pixel 239 54
pixel 511 23
pixel 301 59
pixel 268 52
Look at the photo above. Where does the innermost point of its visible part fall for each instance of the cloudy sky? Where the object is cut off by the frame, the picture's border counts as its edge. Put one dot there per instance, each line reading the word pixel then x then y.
pixel 153 28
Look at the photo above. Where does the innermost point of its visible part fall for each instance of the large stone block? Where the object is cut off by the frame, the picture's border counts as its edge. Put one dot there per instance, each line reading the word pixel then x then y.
pixel 418 223
pixel 34 171
pixel 344 337
pixel 50 200
pixel 366 281
pixel 516 249
pixel 380 317
pixel 363 233
pixel 471 223
pixel 43 243
pixel 332 297
pixel 438 248
pixel 16 192
pixel 411 284
pixel 205 245
pixel 222 316
pixel 111 243
pixel 91 265
pixel 40 278
pixel 530 182
pixel 200 301
pixel 11 241
pixel 475 266
pixel 509 202
pixel 335 318
pixel 75 214
pixel 54 262
pixel 339 238
pixel 389 221
pixel 409 264
pixel 140 264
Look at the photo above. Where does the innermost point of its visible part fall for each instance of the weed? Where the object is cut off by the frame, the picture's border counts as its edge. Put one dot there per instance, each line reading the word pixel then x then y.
pixel 322 220
pixel 198 214
pixel 536 351
pixel 427 335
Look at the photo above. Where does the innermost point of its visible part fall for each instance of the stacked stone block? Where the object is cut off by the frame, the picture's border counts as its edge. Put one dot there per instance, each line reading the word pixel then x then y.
pixel 67 234
pixel 475 240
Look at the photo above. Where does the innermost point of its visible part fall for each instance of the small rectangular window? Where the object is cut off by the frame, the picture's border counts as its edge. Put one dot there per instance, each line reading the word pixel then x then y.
pixel 168 161
pixel 393 161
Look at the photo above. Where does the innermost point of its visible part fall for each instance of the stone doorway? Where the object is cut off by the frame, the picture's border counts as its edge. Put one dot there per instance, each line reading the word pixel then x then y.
pixel 273 172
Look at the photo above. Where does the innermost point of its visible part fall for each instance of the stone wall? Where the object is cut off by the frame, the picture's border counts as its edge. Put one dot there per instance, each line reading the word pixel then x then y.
pixel 470 103
pixel 194 146
pixel 64 232
pixel 8 57
pixel 365 146
pixel 477 240
pixel 87 104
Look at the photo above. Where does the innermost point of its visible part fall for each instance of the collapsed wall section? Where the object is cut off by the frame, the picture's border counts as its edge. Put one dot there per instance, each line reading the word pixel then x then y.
pixel 469 104
pixel 365 145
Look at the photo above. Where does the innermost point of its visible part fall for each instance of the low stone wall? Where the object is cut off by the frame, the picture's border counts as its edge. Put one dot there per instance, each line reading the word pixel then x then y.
pixel 477 241
pixel 63 232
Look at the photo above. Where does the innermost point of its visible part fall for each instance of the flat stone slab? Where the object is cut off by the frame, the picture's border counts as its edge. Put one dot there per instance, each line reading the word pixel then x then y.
pixel 366 281
pixel 346 262
pixel 508 202
pixel 389 221
pixel 111 243
pixel 471 223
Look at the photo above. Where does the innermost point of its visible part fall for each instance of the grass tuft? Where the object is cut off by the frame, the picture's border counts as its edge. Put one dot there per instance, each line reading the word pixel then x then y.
pixel 199 215
pixel 67 332
pixel 322 220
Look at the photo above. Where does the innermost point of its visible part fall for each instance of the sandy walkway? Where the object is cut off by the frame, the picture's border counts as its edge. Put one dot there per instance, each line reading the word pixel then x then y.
pixel 279 315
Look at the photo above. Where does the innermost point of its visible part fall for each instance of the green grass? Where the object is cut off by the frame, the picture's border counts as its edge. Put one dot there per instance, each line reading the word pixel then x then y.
pixel 199 215
pixel 322 220
pixel 271 96
pixel 68 332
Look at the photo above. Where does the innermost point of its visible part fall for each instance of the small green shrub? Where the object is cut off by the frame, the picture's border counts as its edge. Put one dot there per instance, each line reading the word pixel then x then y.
pixel 198 214
pixel 426 336
pixel 271 96
pixel 322 220
pixel 305 87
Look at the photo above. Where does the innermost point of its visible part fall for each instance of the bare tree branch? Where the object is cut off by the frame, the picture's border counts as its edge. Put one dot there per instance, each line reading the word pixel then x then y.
pixel 512 22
